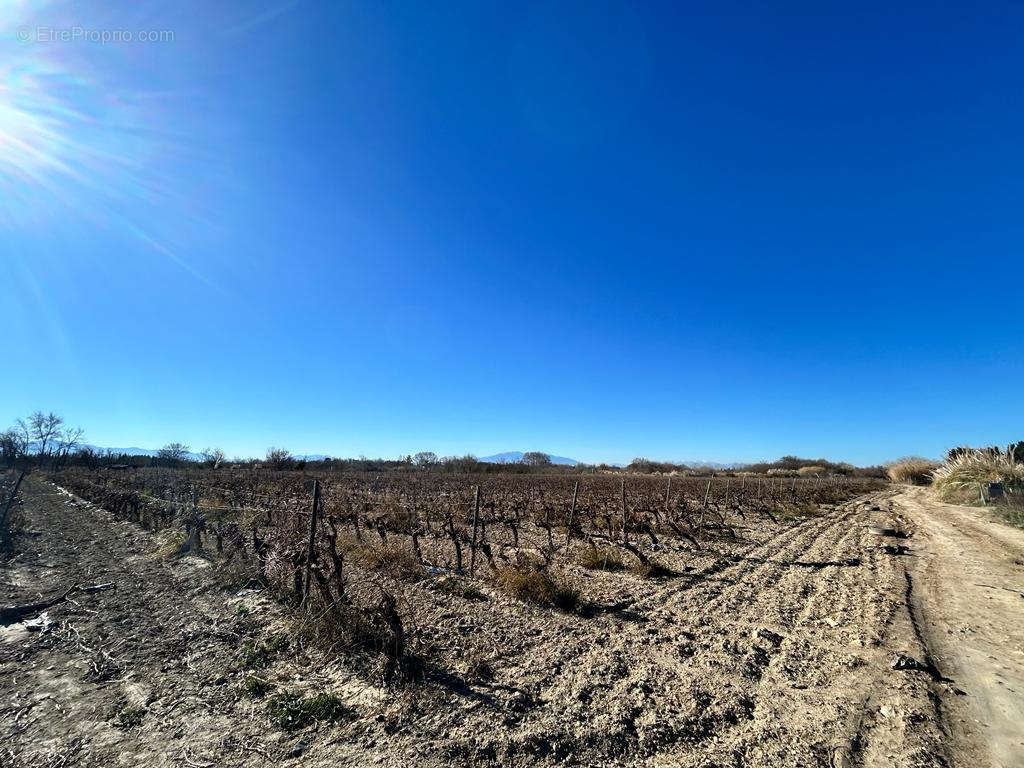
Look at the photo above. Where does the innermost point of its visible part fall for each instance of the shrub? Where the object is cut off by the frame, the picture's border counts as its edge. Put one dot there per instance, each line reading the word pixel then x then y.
pixel 260 654
pixel 912 470
pixel 958 479
pixel 374 631
pixel 130 717
pixel 255 687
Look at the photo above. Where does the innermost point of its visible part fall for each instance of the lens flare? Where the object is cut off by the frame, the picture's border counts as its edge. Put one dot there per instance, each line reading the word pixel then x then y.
pixel 82 139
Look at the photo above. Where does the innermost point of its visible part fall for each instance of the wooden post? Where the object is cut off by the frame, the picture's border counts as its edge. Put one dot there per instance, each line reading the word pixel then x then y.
pixel 727 490
pixel 194 540
pixel 476 522
pixel 668 491
pixel 622 492
pixel 704 508
pixel 312 539
pixel 572 513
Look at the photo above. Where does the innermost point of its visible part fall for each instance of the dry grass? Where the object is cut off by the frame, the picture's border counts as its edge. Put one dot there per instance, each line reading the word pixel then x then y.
pixel 912 470
pixel 960 477
pixel 456 586
pixel 653 570
pixel 602 559
pixel 537 587
pixel 812 471
pixel 477 667
pixel 391 560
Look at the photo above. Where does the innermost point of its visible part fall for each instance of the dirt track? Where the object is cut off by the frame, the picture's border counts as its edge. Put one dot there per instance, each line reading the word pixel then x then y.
pixel 969 589
pixel 776 651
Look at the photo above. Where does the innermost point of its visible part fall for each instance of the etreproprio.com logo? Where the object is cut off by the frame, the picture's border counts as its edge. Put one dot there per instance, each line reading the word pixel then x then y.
pixel 77 34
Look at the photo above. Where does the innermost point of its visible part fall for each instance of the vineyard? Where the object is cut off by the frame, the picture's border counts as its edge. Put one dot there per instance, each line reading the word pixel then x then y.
pixel 344 548
pixel 246 616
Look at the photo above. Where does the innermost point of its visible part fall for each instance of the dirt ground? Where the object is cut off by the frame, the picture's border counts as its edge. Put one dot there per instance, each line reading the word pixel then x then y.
pixel 812 643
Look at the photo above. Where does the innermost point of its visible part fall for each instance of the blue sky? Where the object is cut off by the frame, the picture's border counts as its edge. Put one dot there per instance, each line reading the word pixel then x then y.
pixel 725 231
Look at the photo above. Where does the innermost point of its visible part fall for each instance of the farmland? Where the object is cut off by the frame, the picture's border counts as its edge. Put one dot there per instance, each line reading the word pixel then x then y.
pixel 245 616
pixel 294 532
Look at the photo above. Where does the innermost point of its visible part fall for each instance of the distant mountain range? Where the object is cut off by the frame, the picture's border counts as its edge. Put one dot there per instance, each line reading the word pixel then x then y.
pixel 514 457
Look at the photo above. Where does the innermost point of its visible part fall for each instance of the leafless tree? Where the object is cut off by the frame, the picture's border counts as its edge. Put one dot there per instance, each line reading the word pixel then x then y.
pixel 13 446
pixel 214 457
pixel 173 453
pixel 44 430
pixel 67 441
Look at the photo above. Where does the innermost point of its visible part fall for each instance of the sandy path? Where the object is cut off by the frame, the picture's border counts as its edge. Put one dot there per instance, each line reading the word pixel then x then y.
pixel 969 593
pixel 160 641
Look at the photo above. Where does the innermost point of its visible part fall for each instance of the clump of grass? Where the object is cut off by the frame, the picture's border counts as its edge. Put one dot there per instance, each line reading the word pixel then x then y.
pixel 653 570
pixel 912 470
pixel 255 687
pixel 260 654
pixel 814 470
pixel 392 560
pixel 967 469
pixel 170 547
pixel 291 711
pixel 537 587
pixel 477 667
pixel 602 559
pixel 457 587
pixel 797 511
pixel 130 717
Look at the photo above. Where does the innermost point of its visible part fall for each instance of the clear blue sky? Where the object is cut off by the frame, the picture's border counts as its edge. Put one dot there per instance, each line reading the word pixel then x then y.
pixel 724 231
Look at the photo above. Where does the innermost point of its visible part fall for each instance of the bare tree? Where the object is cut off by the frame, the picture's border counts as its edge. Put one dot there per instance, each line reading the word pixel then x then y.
pixel 173 453
pixel 536 459
pixel 13 445
pixel 279 458
pixel 43 429
pixel 67 441
pixel 213 456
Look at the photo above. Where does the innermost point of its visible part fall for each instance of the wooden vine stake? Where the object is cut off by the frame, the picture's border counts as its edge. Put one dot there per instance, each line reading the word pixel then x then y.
pixel 622 491
pixel 311 544
pixel 572 512
pixel 476 522
pixel 704 508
